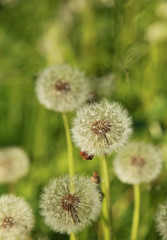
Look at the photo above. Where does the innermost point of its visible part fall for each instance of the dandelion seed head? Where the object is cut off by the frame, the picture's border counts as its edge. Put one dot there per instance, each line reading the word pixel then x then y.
pixel 66 210
pixel 62 88
pixel 14 164
pixel 100 128
pixel 161 10
pixel 16 218
pixel 138 162
pixel 156 32
pixel 161 220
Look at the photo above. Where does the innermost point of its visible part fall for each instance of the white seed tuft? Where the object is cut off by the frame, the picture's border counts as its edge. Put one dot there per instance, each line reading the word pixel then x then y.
pixel 138 162
pixel 62 88
pixel 16 218
pixel 100 128
pixel 14 164
pixel 161 220
pixel 67 211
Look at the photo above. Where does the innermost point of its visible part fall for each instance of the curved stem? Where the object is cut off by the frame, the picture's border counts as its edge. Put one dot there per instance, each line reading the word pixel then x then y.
pixel 107 211
pixel 135 221
pixel 69 146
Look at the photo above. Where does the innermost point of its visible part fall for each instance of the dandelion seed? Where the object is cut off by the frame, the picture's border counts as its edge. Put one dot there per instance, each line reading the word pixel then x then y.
pixel 16 218
pixel 138 162
pixel 68 211
pixel 14 164
pixel 161 220
pixel 62 88
pixel 100 128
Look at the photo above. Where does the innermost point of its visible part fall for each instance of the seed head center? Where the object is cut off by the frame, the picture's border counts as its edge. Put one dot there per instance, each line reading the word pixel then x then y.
pixel 138 161
pixel 101 127
pixel 7 222
pixel 69 202
pixel 7 164
pixel 61 86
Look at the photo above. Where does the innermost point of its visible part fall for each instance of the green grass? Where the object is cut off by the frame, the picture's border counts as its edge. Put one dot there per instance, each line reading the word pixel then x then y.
pixel 99 40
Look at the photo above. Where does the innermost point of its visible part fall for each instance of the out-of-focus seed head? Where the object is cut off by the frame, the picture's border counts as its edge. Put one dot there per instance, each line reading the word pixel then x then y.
pixel 16 218
pixel 14 164
pixel 62 88
pixel 161 220
pixel 138 162
pixel 66 210
pixel 105 85
pixel 100 128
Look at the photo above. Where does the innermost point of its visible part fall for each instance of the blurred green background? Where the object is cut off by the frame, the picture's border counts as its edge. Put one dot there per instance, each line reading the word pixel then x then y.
pixel 125 37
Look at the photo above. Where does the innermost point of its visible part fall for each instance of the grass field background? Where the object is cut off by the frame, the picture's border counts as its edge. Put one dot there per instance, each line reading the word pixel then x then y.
pixel 99 37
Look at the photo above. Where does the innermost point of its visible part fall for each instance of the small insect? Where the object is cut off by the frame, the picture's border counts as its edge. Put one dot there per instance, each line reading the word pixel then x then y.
pixel 86 156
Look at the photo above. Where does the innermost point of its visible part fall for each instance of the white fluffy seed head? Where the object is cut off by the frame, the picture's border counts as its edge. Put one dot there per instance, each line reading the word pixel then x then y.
pixel 100 128
pixel 161 220
pixel 66 210
pixel 16 218
pixel 62 88
pixel 14 164
pixel 138 162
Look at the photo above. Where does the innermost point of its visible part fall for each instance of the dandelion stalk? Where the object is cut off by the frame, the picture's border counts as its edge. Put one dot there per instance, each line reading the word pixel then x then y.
pixel 70 157
pixel 11 188
pixel 107 211
pixel 69 146
pixel 135 221
pixel 73 236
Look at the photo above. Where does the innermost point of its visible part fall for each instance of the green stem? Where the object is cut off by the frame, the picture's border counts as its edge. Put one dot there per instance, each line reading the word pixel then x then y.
pixel 135 221
pixel 73 236
pixel 11 188
pixel 107 211
pixel 69 146
pixel 70 158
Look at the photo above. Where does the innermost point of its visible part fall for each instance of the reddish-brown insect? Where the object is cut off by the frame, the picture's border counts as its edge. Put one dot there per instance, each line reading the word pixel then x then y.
pixel 86 156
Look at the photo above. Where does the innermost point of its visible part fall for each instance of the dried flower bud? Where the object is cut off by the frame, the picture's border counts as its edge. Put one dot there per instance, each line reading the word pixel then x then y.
pixel 67 210
pixel 95 178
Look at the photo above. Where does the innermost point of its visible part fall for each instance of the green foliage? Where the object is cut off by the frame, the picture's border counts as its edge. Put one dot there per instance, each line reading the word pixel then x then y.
pixel 99 38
